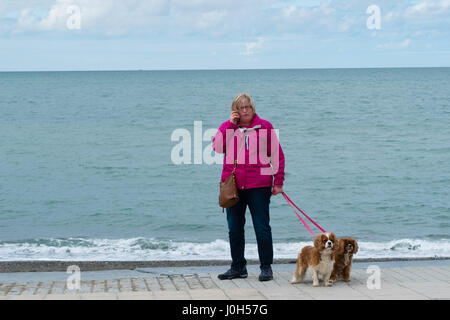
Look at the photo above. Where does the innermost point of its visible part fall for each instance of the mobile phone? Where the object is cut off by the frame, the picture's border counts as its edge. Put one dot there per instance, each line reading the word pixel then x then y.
pixel 239 118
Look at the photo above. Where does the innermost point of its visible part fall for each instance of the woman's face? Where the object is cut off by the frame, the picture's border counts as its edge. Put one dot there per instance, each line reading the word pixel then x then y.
pixel 245 111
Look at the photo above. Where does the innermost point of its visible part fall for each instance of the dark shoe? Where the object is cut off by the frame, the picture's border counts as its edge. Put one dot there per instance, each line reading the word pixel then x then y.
pixel 232 274
pixel 266 274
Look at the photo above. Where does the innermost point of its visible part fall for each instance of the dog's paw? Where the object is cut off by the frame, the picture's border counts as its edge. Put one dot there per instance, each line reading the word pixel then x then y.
pixel 294 281
pixel 329 284
pixel 316 284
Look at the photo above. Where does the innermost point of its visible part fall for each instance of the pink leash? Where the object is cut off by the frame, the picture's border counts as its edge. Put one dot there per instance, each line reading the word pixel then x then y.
pixel 289 201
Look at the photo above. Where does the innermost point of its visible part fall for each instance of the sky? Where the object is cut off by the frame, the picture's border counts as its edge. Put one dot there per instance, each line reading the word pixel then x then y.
pixel 58 35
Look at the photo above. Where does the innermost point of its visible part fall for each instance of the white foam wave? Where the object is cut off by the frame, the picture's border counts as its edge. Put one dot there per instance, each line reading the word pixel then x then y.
pixel 145 249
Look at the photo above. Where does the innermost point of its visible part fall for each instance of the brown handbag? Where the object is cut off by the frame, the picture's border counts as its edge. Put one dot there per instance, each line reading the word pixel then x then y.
pixel 228 196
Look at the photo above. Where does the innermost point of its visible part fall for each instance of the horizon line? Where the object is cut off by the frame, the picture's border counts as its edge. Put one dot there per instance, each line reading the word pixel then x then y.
pixel 229 69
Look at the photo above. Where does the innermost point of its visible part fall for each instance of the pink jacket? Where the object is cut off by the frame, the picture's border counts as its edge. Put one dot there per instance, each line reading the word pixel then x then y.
pixel 255 169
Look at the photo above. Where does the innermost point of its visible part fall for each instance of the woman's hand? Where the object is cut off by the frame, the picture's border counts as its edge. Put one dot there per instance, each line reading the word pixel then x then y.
pixel 234 117
pixel 276 190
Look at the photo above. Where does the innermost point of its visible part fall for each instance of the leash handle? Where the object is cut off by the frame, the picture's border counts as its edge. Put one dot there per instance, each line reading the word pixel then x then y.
pixel 291 203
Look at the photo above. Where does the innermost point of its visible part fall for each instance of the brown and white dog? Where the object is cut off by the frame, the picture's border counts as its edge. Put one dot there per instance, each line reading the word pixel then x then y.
pixel 319 259
pixel 344 256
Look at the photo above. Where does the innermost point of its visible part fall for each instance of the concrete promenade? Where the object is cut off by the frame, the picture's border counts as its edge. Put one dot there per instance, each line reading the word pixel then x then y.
pixel 421 281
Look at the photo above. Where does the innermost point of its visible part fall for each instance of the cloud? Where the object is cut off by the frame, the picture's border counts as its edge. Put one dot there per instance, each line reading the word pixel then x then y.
pixel 55 19
pixel 428 9
pixel 294 16
pixel 130 17
pixel 98 16
pixel 430 12
pixel 217 18
pixel 211 18
pixel 252 47
pixel 326 19
pixel 422 20
pixel 232 19
pixel 394 45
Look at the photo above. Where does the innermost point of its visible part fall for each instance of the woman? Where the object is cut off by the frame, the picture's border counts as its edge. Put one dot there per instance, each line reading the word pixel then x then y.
pixel 255 178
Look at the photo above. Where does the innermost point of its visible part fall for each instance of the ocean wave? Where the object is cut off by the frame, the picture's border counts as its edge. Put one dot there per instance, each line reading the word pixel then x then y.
pixel 148 249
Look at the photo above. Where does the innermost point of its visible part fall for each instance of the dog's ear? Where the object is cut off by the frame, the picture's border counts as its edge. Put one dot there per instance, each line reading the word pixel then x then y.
pixel 341 246
pixel 336 246
pixel 318 241
pixel 355 246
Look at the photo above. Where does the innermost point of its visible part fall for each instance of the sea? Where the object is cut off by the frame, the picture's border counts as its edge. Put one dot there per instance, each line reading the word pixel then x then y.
pixel 117 165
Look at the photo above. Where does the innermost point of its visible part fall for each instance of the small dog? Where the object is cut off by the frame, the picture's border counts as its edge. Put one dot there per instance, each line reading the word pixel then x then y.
pixel 344 256
pixel 319 259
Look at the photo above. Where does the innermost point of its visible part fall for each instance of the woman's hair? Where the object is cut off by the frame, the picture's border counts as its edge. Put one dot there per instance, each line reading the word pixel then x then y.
pixel 239 98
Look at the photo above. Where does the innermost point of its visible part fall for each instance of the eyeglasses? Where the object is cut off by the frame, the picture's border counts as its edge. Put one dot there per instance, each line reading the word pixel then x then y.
pixel 244 107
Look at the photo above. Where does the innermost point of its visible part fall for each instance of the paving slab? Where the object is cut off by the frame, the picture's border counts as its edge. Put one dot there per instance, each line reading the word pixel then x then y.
pixel 395 282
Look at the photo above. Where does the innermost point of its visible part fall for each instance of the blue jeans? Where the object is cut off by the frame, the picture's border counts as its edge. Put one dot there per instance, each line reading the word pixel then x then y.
pixel 258 200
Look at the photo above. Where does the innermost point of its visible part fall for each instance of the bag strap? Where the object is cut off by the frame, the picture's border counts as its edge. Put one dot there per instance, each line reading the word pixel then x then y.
pixel 239 153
